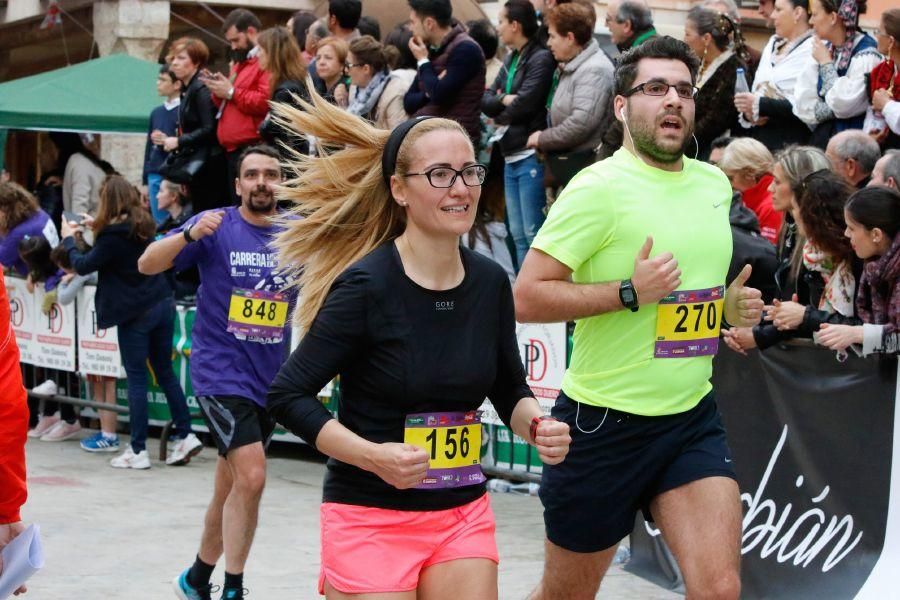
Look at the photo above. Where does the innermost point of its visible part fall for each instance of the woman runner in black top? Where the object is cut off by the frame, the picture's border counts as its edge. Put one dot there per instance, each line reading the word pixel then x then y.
pixel 420 330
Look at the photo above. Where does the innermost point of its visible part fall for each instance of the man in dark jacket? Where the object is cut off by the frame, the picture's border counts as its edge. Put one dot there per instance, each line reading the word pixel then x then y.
pixel 450 78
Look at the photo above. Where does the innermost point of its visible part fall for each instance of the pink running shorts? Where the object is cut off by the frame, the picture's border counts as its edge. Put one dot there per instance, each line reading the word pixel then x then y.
pixel 376 550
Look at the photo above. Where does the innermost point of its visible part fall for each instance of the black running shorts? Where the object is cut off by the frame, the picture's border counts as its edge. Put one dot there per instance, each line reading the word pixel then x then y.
pixel 618 462
pixel 235 421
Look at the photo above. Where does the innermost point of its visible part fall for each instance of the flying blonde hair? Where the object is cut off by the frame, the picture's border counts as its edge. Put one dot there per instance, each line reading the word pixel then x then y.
pixel 342 209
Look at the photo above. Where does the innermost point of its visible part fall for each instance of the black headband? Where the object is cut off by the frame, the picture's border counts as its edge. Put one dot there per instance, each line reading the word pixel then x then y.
pixel 392 148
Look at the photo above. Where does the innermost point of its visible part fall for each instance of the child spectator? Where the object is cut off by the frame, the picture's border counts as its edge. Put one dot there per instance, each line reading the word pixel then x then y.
pixel 163 123
pixel 21 217
pixel 103 389
pixel 52 426
pixel 177 207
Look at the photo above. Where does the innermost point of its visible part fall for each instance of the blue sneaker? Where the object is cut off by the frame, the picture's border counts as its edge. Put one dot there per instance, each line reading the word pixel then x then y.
pixel 234 594
pixel 185 591
pixel 100 443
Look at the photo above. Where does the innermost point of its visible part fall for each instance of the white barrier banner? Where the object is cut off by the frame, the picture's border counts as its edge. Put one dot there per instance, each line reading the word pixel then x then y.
pixel 54 334
pixel 542 347
pixel 98 349
pixel 21 316
pixel 543 350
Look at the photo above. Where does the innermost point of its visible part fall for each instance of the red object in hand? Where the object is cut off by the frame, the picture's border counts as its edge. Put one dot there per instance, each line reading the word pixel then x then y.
pixel 532 430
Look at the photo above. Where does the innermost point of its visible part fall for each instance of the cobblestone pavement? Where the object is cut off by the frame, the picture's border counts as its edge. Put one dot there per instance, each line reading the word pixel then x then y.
pixel 125 534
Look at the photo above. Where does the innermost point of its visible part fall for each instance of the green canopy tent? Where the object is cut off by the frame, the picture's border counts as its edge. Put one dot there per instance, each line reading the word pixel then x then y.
pixel 112 94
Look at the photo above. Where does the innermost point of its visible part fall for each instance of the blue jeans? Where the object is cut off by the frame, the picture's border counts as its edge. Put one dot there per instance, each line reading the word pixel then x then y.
pixel 149 336
pixel 525 201
pixel 153 181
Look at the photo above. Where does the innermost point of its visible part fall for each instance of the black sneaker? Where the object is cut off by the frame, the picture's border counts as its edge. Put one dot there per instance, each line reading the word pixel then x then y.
pixel 234 593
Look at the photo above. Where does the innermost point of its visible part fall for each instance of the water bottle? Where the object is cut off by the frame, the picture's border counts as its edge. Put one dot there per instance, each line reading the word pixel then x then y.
pixel 623 553
pixel 740 82
pixel 498 485
pixel 529 488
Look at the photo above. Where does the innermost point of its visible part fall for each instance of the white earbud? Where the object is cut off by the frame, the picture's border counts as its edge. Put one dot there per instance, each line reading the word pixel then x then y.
pixel 622 113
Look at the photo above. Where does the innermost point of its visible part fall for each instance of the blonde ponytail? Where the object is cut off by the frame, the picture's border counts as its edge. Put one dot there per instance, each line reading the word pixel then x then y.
pixel 342 208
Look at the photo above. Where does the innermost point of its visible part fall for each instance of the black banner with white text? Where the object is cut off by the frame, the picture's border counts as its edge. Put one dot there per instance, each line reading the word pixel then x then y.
pixel 814 442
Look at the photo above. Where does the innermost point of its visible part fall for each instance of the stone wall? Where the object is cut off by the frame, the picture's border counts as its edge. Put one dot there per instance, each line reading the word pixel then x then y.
pixel 138 28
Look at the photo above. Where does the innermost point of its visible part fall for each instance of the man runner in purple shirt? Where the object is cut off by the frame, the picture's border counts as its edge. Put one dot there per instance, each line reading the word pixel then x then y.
pixel 239 340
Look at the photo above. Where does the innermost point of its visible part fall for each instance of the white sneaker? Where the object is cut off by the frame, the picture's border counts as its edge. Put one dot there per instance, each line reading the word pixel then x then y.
pixel 44 424
pixel 184 450
pixel 62 431
pixel 48 388
pixel 130 460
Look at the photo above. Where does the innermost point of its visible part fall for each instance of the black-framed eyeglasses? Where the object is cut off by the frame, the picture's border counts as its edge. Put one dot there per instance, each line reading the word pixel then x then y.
pixel 445 177
pixel 661 88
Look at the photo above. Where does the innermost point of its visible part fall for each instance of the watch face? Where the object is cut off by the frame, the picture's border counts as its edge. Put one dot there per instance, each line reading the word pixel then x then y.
pixel 627 296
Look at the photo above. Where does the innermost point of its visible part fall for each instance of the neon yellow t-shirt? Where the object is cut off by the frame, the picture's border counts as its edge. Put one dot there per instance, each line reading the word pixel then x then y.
pixel 658 360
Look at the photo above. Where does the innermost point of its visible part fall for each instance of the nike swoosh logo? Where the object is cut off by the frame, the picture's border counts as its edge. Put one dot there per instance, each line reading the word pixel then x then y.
pixel 728 460
pixel 717 205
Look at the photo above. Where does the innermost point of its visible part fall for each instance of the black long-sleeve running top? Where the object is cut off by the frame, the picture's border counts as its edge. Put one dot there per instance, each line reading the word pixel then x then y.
pixel 401 349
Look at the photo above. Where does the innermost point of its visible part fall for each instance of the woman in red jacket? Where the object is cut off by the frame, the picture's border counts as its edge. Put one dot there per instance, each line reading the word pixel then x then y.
pixel 13 430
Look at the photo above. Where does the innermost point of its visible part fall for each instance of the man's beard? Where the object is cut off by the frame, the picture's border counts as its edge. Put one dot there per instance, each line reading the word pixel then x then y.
pixel 253 202
pixel 644 140
pixel 239 55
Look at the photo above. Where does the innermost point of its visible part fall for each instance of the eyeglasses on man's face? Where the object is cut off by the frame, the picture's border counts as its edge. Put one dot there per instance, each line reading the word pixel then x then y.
pixel 445 177
pixel 684 90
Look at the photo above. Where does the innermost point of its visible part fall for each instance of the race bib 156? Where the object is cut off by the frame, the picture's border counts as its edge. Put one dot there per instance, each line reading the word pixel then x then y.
pixel 453 443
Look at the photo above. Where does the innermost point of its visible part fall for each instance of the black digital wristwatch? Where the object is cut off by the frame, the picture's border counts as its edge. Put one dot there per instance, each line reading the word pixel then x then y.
pixel 628 296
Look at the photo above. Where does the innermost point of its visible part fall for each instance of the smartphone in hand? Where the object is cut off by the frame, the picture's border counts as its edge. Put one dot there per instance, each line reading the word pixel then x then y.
pixel 71 217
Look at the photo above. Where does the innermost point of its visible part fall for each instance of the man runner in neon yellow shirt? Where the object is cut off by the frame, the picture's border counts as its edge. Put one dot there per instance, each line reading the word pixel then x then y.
pixel 636 251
